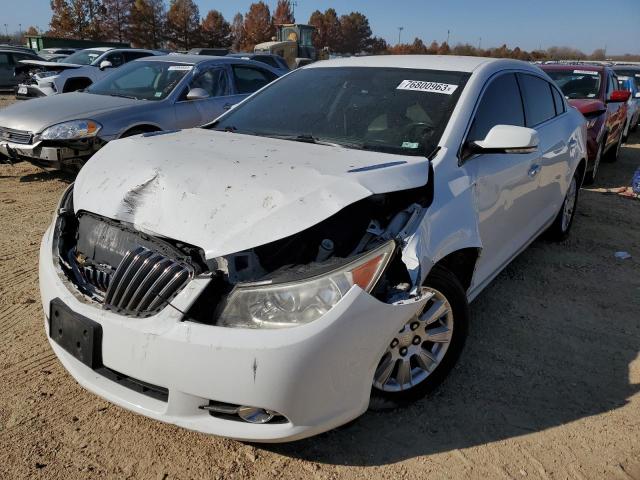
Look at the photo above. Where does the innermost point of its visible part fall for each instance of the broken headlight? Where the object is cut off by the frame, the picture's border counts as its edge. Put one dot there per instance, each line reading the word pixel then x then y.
pixel 288 304
pixel 73 130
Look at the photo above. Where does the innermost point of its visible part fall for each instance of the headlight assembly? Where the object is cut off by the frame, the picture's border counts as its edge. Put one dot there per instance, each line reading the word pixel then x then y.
pixel 46 74
pixel 73 130
pixel 288 304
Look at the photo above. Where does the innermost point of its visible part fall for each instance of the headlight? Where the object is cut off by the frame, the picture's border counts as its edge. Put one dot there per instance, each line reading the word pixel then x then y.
pixel 74 130
pixel 46 74
pixel 278 305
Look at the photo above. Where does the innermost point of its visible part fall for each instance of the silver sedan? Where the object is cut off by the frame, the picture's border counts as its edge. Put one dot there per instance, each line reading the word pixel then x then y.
pixel 147 95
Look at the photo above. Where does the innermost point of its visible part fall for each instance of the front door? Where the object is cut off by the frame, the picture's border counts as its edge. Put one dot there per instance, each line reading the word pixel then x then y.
pixel 192 113
pixel 506 184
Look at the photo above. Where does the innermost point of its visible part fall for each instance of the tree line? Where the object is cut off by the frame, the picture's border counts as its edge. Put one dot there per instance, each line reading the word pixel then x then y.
pixel 179 25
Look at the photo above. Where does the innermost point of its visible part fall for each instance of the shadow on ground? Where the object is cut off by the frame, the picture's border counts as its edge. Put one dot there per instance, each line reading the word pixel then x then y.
pixel 550 343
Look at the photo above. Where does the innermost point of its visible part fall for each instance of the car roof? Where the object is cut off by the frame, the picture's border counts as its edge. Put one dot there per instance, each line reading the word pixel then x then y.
pixel 573 66
pixel 193 59
pixel 422 62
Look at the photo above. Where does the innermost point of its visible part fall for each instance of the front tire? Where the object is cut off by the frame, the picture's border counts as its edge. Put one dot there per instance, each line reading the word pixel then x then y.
pixel 559 229
pixel 422 353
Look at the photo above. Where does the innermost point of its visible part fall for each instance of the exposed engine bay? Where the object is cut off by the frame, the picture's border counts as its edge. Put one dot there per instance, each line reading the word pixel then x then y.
pixel 137 274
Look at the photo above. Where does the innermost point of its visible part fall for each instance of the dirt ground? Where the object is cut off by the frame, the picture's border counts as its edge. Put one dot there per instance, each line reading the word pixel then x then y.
pixel 547 386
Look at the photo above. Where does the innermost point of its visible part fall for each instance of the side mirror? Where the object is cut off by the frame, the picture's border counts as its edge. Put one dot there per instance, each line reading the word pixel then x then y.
pixel 637 95
pixel 507 139
pixel 619 96
pixel 197 94
pixel 105 64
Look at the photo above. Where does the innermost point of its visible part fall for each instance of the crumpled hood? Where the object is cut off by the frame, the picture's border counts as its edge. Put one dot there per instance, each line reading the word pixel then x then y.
pixel 39 113
pixel 226 192
pixel 50 65
pixel 587 106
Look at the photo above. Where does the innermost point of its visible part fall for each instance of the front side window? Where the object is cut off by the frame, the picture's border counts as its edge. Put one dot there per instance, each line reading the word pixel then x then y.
pixel 129 56
pixel 500 105
pixel 394 110
pixel 213 80
pixel 4 59
pixel 116 59
pixel 142 80
pixel 577 83
pixel 84 57
pixel 538 100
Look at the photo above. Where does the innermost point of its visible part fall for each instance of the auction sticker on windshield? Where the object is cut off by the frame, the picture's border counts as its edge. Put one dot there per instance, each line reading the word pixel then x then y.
pixel 180 67
pixel 585 72
pixel 430 87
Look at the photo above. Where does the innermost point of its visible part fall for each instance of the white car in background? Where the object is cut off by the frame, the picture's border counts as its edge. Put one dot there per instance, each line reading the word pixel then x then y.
pixel 313 252
pixel 39 78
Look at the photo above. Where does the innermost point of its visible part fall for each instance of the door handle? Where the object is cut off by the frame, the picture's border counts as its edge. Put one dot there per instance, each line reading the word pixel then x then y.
pixel 533 171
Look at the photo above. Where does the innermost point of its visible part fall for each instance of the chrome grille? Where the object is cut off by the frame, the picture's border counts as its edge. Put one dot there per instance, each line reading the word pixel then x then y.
pixel 144 281
pixel 15 136
pixel 98 278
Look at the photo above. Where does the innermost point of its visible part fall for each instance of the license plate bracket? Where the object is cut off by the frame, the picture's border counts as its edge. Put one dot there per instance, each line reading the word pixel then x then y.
pixel 78 335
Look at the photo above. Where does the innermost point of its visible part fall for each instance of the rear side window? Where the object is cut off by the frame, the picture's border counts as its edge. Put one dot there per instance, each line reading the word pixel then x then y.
pixel 500 105
pixel 116 59
pixel 4 59
pixel 249 79
pixel 538 99
pixel 268 60
pixel 558 100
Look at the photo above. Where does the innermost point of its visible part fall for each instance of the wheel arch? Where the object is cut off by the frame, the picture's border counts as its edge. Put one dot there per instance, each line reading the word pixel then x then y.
pixel 141 128
pixel 582 170
pixel 462 263
pixel 76 83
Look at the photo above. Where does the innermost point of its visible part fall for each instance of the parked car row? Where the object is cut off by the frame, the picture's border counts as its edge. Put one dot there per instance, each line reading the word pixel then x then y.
pixel 313 249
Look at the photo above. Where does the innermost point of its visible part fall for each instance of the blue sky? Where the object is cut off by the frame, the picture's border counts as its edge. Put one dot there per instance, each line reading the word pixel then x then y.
pixel 584 24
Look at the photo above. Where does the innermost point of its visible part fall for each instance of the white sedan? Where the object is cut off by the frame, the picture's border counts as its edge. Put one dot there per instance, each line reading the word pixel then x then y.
pixel 313 252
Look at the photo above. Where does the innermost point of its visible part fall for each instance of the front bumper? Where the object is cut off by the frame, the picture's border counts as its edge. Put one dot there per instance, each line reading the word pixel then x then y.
pixel 42 155
pixel 25 92
pixel 318 375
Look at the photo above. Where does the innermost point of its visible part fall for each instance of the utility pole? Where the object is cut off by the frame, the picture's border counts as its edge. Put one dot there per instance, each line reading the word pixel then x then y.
pixel 479 43
pixel 293 4
pixel 6 30
pixel 448 32
pixel 399 33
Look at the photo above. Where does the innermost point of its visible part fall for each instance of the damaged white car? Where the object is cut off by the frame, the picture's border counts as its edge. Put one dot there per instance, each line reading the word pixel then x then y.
pixel 314 250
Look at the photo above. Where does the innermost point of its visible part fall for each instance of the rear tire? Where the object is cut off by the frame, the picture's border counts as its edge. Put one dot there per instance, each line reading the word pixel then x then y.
pixel 559 229
pixel 612 155
pixel 432 343
pixel 590 177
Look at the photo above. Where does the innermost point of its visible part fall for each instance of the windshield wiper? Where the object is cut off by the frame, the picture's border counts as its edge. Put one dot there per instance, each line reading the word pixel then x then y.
pixel 305 138
pixel 121 95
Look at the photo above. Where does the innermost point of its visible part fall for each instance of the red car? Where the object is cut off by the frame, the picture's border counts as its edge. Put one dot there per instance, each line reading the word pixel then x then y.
pixel 593 89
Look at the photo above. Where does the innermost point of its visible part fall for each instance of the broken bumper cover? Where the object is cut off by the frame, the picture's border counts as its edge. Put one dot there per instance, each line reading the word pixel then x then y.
pixel 318 376
pixel 44 156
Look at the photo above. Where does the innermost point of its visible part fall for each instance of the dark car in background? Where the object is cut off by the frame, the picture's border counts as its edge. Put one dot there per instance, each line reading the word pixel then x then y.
pixel 10 57
pixel 593 90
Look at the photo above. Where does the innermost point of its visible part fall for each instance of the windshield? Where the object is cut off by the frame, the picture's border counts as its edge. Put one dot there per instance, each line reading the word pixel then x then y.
pixel 390 110
pixel 577 83
pixel 142 80
pixel 84 57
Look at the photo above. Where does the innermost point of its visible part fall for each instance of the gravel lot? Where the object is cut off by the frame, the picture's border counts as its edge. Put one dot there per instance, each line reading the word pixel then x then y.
pixel 546 388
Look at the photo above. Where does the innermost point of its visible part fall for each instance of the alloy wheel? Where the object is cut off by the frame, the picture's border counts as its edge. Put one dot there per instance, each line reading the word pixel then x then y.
pixel 418 348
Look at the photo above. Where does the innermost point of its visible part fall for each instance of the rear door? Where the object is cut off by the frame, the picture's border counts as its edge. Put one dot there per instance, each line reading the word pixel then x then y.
pixel 506 184
pixel 545 112
pixel 215 81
